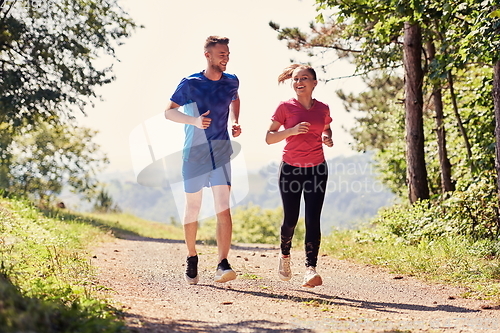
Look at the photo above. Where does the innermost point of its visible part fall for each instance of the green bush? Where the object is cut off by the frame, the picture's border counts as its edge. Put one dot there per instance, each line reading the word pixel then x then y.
pixel 473 210
pixel 252 224
pixel 470 212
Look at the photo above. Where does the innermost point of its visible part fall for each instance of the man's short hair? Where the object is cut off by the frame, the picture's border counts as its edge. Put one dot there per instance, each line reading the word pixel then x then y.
pixel 212 40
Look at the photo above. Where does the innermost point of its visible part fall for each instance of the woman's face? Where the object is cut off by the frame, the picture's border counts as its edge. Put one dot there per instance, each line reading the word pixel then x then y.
pixel 303 81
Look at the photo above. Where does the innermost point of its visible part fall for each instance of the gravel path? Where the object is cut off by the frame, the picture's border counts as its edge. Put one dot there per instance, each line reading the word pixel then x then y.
pixel 145 277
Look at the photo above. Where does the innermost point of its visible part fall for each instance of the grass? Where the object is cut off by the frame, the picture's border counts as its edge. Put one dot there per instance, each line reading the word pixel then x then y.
pixel 454 260
pixel 47 283
pixel 250 276
pixel 122 224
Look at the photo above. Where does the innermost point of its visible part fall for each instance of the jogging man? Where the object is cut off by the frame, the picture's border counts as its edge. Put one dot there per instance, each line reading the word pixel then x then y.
pixel 209 99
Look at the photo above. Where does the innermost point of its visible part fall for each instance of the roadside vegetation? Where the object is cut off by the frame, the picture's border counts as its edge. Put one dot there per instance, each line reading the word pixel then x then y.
pixel 47 281
pixel 440 256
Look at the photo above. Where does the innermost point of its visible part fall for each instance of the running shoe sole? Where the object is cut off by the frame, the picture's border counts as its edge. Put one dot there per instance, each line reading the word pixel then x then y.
pixel 191 280
pixel 285 278
pixel 224 276
pixel 315 281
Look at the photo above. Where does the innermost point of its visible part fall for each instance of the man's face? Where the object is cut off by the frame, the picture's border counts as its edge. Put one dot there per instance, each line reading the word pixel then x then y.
pixel 218 57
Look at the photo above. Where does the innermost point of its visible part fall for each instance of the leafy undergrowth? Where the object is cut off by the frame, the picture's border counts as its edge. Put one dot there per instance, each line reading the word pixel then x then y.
pixel 455 259
pixel 452 239
pixel 47 283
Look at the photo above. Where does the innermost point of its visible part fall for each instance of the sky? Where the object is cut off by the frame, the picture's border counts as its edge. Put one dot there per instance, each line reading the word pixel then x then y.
pixel 170 47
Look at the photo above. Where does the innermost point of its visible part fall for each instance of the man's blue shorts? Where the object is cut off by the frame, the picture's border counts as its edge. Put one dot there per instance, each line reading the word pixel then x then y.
pixel 196 175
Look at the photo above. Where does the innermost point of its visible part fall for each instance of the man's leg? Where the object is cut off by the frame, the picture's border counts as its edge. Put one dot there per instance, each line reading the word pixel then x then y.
pixel 193 206
pixel 224 230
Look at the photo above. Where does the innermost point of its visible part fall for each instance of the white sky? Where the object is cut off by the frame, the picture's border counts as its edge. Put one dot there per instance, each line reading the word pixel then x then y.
pixel 170 47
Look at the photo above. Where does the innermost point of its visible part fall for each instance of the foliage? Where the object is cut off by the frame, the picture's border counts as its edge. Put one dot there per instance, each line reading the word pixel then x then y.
pixel 382 119
pixel 456 260
pixel 123 224
pixel 478 36
pixel 381 127
pixel 452 239
pixel 252 224
pixel 52 156
pixel 51 57
pixel 104 203
pixel 375 30
pixel 470 211
pixel 46 281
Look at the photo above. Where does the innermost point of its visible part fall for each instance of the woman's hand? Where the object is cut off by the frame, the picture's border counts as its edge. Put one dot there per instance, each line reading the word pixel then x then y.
pixel 328 141
pixel 301 128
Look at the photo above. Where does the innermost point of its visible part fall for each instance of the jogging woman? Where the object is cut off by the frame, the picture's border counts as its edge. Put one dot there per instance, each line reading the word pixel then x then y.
pixel 304 123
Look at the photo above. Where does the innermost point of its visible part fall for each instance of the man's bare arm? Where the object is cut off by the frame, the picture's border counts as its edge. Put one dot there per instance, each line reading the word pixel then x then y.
pixel 172 113
pixel 234 111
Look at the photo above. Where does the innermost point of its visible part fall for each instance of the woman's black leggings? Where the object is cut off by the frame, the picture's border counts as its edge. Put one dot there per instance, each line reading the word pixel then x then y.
pixel 312 182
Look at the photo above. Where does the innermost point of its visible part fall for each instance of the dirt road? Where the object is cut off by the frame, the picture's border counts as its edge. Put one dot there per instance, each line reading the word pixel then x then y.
pixel 146 279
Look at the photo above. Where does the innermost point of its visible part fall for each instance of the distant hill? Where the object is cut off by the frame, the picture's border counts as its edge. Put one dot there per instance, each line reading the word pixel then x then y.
pixel 353 194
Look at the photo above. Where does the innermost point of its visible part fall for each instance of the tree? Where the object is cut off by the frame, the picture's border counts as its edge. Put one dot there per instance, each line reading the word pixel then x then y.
pixel 51 61
pixel 51 157
pixel 381 126
pixel 447 184
pixel 50 58
pixel 414 79
pixel 496 98
pixel 104 203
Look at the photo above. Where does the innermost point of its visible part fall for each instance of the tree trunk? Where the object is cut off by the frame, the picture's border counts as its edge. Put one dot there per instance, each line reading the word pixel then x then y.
pixel 444 162
pixel 415 156
pixel 496 102
pixel 460 124
pixel 5 158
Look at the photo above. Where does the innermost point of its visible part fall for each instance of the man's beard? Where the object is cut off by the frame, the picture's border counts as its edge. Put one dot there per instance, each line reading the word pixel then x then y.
pixel 217 68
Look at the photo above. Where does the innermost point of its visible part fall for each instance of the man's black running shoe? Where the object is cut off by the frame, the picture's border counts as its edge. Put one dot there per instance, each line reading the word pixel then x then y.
pixel 192 270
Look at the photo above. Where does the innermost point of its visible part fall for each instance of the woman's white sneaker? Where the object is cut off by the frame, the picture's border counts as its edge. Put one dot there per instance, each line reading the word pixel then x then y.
pixel 284 270
pixel 311 278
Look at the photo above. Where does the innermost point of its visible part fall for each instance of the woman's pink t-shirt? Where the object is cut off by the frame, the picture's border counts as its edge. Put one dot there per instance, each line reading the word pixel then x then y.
pixel 303 150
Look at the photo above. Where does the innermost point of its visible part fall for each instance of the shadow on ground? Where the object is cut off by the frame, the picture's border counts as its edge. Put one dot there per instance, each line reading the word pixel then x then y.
pixel 329 300
pixel 142 325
